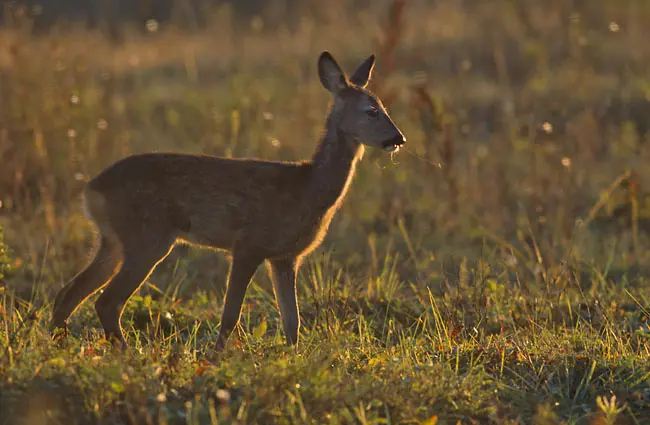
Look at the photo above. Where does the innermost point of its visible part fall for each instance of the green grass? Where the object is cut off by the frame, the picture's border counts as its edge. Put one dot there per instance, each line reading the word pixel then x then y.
pixel 507 286
pixel 375 351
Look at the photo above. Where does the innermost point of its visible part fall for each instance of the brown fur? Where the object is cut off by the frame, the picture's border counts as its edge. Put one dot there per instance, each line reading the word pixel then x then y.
pixel 257 210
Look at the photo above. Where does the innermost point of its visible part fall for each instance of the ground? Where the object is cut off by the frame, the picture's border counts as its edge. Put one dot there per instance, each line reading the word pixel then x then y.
pixel 493 271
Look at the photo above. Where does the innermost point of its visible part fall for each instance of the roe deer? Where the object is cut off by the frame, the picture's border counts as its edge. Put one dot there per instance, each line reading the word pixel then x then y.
pixel 257 210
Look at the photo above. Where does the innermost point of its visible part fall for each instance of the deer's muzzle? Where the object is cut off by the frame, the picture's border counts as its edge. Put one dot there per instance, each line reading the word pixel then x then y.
pixel 393 144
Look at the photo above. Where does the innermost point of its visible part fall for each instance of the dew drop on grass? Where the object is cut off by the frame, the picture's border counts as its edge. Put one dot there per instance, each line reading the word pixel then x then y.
pixel 152 25
pixel 223 395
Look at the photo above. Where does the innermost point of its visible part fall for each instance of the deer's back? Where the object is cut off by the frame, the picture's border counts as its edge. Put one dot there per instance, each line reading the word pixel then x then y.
pixel 214 201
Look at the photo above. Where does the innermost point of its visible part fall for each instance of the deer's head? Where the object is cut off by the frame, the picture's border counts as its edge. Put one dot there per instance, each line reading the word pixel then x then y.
pixel 358 113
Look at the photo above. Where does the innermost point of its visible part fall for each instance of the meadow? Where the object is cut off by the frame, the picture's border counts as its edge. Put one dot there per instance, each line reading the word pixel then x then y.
pixel 494 271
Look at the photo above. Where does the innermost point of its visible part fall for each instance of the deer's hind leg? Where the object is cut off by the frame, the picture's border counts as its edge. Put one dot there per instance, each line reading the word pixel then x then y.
pixel 96 274
pixel 141 252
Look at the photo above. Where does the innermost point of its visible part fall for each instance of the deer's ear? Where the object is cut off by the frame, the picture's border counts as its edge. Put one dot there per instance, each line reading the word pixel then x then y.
pixel 330 73
pixel 363 73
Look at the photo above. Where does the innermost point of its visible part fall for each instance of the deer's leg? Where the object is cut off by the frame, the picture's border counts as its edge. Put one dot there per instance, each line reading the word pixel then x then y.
pixel 140 257
pixel 284 285
pixel 242 269
pixel 87 282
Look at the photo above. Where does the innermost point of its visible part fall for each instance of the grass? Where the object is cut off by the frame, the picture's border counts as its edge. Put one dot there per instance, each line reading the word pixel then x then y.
pixel 508 285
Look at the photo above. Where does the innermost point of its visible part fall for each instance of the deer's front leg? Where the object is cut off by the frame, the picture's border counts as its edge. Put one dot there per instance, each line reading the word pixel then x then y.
pixel 242 269
pixel 283 274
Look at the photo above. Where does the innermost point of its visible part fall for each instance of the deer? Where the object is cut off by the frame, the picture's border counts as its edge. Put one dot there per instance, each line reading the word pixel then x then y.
pixel 254 210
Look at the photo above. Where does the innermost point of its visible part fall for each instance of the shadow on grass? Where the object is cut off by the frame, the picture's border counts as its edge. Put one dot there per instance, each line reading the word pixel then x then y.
pixel 43 402
pixel 54 401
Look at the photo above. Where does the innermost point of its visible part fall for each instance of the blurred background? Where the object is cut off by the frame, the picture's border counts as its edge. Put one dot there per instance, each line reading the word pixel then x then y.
pixel 526 122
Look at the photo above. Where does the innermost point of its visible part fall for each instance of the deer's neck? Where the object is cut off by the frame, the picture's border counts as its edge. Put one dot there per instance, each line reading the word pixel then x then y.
pixel 333 167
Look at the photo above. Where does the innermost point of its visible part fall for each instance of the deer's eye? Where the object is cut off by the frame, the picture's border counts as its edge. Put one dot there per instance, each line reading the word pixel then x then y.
pixel 372 112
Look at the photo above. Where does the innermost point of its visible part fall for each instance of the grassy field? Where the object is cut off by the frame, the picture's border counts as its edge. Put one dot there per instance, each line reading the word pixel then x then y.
pixel 494 271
